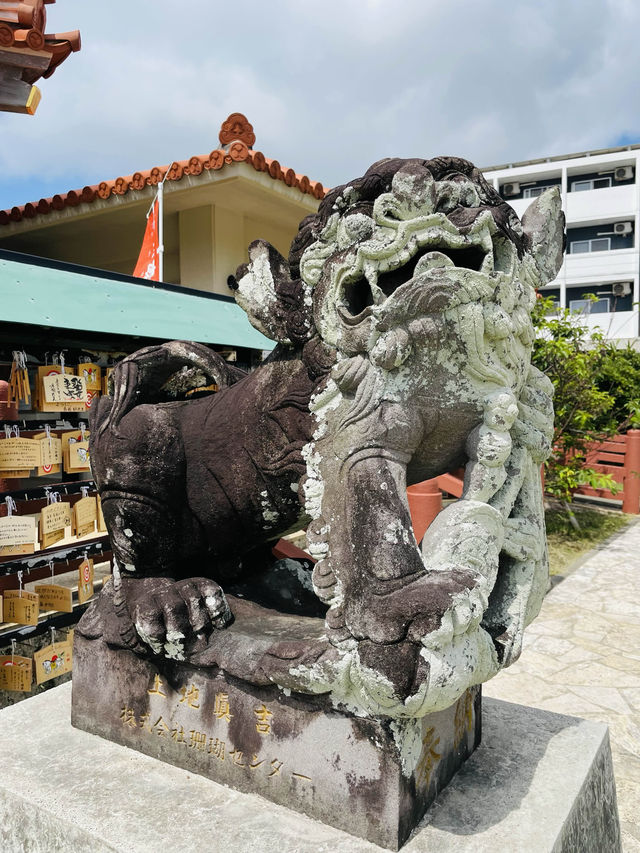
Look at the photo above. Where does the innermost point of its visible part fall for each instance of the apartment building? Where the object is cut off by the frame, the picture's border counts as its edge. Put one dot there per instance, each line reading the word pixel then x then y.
pixel 599 279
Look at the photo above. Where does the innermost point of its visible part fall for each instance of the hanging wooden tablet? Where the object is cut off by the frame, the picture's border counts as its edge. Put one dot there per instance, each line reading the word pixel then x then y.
pixel 54 597
pixel 64 393
pixel 71 437
pixel 50 453
pixel 17 535
pixel 85 580
pixel 54 518
pixel 92 375
pixel 53 660
pixel 85 516
pixel 44 371
pixel 21 607
pixel 16 673
pixel 19 454
pixel 78 457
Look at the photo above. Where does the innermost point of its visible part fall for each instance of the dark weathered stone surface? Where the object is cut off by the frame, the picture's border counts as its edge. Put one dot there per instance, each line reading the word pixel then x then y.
pixel 372 778
pixel 593 825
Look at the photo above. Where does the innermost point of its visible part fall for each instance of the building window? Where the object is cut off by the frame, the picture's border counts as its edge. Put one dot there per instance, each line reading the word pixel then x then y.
pixel 591 184
pixel 589 306
pixel 533 192
pixel 598 244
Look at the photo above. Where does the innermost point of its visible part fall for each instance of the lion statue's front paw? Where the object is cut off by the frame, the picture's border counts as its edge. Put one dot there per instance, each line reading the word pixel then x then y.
pixel 434 605
pixel 170 616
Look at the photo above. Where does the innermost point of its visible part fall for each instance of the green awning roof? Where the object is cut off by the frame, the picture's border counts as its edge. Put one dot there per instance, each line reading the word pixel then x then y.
pixel 49 293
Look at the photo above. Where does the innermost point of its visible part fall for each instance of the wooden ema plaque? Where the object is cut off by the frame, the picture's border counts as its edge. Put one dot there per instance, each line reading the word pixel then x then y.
pixel 15 673
pixel 58 393
pixel 49 539
pixel 44 371
pixel 52 661
pixel 85 581
pixel 54 518
pixel 92 375
pixel 80 461
pixel 21 607
pixel 50 454
pixel 19 454
pixel 85 515
pixel 17 535
pixel 54 597
pixel 71 436
pixel 63 389
pixel 77 458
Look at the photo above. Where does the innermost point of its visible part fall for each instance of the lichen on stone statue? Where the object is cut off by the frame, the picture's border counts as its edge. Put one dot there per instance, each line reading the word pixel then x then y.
pixel 403 326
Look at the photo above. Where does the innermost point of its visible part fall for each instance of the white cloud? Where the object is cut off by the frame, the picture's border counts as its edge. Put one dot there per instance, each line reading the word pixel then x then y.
pixel 330 87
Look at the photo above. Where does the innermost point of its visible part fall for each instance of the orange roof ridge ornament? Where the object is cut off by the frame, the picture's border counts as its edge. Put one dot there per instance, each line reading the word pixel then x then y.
pixel 27 53
pixel 236 129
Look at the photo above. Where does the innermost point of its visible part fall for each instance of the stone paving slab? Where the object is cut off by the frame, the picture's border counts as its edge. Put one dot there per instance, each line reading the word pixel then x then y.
pixel 582 657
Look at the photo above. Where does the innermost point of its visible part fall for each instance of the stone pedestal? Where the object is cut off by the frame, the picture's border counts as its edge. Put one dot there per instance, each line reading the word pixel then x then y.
pixel 373 778
pixel 539 783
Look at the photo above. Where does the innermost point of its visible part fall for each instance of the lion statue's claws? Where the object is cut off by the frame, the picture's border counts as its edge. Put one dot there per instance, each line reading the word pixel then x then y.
pixel 176 614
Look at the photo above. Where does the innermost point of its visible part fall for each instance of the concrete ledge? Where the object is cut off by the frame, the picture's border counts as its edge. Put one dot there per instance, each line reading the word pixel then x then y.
pixel 540 782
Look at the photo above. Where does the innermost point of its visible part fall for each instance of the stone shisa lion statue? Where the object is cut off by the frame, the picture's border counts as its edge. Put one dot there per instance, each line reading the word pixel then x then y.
pixel 403 322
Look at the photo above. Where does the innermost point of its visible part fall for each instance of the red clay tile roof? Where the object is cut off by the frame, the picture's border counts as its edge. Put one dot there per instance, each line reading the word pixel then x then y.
pixel 22 25
pixel 236 135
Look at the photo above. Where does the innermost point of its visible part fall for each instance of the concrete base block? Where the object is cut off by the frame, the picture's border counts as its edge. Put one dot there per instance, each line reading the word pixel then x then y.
pixel 372 778
pixel 539 783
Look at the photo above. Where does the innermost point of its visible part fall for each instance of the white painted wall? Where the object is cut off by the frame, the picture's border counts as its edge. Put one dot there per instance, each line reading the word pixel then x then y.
pixel 214 242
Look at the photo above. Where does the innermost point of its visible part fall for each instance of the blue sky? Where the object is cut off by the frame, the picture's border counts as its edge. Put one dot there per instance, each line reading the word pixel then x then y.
pixel 329 86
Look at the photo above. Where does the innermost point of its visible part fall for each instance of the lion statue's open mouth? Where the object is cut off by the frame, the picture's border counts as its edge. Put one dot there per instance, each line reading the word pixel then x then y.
pixel 404 330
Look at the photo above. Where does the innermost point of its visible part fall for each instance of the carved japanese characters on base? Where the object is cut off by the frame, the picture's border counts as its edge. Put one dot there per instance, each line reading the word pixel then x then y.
pixel 404 335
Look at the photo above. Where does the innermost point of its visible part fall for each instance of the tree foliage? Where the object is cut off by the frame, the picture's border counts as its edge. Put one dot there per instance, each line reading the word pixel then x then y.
pixel 619 377
pixel 596 394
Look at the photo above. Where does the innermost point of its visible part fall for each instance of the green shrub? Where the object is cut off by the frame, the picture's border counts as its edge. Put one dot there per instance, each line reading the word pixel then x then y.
pixel 584 369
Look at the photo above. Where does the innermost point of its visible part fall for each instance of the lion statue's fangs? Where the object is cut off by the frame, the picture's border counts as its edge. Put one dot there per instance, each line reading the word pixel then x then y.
pixel 403 327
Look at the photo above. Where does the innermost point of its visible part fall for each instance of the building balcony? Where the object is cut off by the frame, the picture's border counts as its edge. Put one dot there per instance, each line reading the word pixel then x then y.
pixel 614 265
pixel 610 203
pixel 618 324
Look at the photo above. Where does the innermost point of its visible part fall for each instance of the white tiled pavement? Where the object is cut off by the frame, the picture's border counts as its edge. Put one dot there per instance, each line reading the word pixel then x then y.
pixel 582 657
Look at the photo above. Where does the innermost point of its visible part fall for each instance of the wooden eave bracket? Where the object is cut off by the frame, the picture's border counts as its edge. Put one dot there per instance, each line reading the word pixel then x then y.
pixel 17 96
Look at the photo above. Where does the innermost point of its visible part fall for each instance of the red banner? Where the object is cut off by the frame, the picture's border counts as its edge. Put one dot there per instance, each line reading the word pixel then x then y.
pixel 147 266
